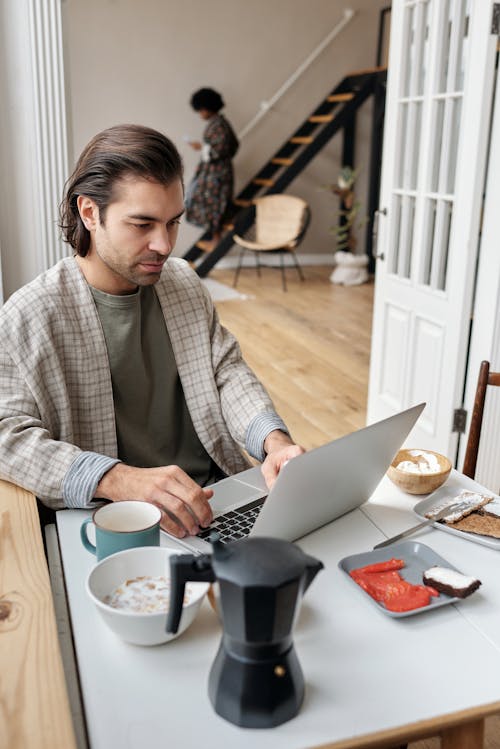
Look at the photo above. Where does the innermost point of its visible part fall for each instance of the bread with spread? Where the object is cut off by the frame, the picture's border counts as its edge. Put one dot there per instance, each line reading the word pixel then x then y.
pixel 450 582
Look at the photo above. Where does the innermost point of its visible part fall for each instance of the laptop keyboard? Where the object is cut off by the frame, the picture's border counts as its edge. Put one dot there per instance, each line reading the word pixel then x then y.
pixel 234 524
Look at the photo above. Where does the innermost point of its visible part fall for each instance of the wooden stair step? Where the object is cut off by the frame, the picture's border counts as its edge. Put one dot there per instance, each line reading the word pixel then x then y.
pixel 242 203
pixel 202 245
pixel 282 161
pixel 263 182
pixel 302 139
pixel 366 71
pixel 321 118
pixel 340 97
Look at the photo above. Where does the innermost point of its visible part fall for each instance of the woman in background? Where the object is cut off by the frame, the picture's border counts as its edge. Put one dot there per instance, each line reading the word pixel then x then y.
pixel 211 190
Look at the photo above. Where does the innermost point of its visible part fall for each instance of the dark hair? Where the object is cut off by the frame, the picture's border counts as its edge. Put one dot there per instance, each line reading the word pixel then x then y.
pixel 207 98
pixel 110 156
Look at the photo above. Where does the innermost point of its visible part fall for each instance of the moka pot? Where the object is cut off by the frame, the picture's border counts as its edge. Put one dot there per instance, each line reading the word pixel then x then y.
pixel 256 680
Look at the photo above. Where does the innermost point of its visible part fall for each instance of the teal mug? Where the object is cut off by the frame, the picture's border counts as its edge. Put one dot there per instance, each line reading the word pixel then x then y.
pixel 122 525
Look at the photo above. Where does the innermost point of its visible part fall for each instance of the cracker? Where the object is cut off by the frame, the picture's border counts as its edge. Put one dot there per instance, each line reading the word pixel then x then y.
pixel 492 510
pixel 480 524
pixel 460 506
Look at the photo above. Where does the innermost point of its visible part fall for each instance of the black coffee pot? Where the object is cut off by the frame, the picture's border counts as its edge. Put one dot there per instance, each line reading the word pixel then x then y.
pixel 256 680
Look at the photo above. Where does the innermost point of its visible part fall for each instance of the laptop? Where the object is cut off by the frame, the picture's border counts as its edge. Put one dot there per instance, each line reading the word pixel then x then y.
pixel 311 490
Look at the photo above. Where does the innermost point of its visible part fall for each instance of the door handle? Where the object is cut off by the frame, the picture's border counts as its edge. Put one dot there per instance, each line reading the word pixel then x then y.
pixel 378 212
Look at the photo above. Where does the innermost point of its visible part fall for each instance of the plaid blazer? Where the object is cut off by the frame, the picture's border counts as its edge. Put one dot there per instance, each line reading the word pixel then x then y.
pixel 56 397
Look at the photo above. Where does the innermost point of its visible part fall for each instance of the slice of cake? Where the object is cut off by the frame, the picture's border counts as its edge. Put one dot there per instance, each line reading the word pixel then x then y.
pixel 450 582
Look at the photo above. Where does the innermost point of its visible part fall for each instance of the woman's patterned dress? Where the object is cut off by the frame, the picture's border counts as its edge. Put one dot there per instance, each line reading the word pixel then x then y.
pixel 212 188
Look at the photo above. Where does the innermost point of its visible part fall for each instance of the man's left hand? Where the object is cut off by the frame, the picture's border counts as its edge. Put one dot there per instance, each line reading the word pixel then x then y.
pixel 280 449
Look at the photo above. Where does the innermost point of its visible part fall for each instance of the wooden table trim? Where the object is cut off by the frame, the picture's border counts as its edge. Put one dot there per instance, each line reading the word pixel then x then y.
pixel 460 730
pixel 34 705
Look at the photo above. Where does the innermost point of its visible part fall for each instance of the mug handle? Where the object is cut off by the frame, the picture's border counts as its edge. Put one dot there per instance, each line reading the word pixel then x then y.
pixel 85 539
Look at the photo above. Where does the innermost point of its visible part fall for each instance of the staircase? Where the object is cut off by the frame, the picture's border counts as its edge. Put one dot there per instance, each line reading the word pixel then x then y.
pixel 336 112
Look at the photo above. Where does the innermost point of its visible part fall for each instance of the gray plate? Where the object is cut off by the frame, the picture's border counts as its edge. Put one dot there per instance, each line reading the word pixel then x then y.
pixel 449 492
pixel 418 558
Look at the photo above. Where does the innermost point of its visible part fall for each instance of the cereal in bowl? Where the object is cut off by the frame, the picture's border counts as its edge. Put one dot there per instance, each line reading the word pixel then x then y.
pixel 143 595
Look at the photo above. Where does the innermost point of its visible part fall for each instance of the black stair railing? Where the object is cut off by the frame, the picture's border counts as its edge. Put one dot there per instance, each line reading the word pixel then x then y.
pixel 336 112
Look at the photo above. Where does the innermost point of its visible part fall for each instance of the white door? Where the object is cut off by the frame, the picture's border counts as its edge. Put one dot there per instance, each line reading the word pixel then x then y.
pixel 441 66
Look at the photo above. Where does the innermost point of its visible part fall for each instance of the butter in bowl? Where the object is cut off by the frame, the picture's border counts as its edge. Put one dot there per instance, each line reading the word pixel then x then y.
pixel 419 471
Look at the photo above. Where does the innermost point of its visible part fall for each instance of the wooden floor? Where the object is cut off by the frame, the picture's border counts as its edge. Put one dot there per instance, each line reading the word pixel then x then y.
pixel 310 347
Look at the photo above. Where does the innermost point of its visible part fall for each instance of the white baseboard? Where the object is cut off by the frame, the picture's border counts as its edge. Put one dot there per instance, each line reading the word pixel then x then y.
pixel 274 260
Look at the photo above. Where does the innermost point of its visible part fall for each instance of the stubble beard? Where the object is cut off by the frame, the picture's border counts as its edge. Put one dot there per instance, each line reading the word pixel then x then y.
pixel 131 274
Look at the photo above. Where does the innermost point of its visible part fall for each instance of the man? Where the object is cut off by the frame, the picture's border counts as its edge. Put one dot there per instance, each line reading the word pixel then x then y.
pixel 117 380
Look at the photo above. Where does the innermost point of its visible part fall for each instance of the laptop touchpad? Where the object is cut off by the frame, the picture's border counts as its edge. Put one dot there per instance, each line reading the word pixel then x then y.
pixel 229 492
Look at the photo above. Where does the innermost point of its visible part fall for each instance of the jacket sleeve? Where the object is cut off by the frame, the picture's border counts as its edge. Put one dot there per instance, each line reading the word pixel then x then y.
pixel 30 457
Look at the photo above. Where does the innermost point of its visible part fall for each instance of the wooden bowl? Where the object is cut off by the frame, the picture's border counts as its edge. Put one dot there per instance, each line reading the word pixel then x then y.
pixel 419 483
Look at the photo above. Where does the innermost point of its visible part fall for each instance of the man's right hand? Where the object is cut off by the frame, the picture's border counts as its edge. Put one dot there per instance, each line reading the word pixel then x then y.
pixel 184 504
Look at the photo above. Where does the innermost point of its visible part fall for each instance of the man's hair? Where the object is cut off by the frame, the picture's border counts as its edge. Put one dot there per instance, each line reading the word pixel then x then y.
pixel 207 98
pixel 112 155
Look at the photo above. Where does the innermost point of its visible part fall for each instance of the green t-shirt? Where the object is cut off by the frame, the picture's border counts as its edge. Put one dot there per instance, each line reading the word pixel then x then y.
pixel 153 424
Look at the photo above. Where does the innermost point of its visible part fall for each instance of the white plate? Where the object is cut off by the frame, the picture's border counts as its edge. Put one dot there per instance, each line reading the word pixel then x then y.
pixel 417 556
pixel 449 492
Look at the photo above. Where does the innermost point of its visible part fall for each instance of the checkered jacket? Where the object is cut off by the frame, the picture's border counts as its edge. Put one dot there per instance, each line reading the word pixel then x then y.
pixel 57 422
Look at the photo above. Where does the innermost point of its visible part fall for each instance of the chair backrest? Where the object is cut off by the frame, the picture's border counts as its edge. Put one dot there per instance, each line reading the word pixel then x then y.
pixel 279 219
pixel 485 378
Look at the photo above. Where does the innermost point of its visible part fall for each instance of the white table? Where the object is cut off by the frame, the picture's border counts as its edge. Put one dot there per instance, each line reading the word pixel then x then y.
pixel 371 680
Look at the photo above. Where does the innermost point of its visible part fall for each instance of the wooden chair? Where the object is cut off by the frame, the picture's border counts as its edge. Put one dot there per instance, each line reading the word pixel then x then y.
pixel 281 222
pixel 485 378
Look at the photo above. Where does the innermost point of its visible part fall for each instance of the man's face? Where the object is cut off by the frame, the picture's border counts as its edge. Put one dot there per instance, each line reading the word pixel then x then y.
pixel 139 231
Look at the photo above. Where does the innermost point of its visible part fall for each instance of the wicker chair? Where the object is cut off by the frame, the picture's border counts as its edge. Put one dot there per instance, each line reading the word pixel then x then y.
pixel 281 222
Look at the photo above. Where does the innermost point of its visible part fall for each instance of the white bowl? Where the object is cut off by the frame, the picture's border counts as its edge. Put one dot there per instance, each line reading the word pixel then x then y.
pixel 131 626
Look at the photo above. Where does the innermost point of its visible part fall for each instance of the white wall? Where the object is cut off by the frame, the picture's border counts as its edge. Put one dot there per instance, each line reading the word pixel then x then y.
pixel 131 61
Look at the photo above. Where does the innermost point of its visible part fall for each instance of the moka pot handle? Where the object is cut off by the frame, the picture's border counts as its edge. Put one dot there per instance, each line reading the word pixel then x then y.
pixel 185 568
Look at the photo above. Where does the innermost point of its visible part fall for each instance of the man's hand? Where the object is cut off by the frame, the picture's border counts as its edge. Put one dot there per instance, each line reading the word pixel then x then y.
pixel 280 449
pixel 184 504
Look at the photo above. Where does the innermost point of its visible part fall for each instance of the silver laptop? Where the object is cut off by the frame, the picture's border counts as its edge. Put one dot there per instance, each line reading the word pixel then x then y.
pixel 311 490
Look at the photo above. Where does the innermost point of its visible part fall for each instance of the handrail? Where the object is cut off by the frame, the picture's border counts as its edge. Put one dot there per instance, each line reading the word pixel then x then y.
pixel 265 106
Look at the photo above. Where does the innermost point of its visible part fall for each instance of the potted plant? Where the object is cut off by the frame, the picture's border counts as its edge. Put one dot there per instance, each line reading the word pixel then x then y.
pixel 350 268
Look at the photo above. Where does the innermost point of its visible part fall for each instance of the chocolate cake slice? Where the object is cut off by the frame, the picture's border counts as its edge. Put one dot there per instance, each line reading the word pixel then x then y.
pixel 450 582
